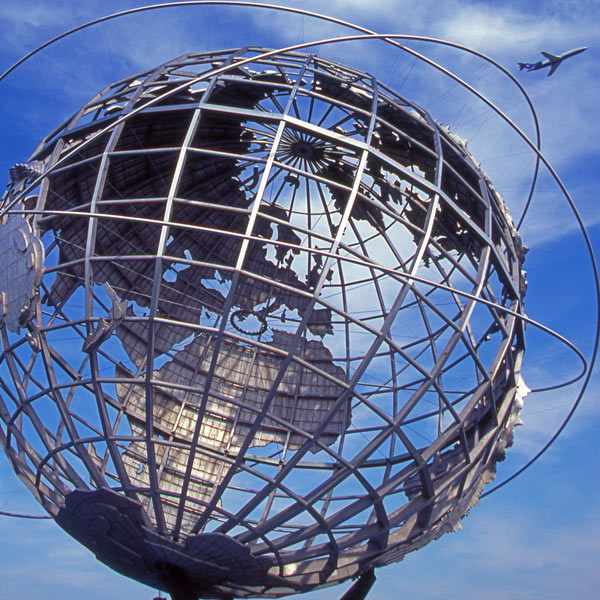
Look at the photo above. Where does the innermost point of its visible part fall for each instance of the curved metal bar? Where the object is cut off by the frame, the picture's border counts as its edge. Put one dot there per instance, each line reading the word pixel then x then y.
pixel 348 24
pixel 388 271
pixel 594 355
pixel 4 513
pixel 389 37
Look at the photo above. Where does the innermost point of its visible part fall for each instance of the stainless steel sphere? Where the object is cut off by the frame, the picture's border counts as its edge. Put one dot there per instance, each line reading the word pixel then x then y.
pixel 260 325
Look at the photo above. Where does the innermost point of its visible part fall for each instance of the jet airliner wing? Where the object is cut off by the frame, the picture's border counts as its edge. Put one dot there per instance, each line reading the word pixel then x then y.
pixel 550 57
pixel 553 68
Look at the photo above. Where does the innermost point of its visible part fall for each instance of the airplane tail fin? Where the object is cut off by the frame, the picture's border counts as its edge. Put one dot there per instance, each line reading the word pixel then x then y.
pixel 523 66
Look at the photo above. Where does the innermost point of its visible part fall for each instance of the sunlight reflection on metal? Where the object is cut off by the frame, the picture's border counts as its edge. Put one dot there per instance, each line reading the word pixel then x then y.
pixel 198 288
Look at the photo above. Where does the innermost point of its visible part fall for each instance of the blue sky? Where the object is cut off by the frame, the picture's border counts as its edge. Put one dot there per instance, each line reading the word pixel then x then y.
pixel 535 538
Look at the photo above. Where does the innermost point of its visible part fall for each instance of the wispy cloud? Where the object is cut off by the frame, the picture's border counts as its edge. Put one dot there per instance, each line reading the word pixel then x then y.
pixel 502 553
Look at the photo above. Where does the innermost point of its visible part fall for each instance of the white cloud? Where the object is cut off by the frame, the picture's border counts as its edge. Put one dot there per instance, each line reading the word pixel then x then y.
pixel 32 14
pixel 503 552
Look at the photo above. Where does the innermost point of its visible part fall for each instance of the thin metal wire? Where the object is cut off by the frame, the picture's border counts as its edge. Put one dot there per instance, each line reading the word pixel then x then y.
pixel 23 516
pixel 323 17
pixel 539 158
pixel 391 38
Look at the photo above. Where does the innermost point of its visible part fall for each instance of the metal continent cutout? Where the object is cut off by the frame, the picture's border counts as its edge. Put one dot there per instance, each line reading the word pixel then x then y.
pixel 21 266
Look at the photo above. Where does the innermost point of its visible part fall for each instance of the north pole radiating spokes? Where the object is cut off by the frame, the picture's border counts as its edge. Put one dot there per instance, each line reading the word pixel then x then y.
pixel 302 325
pixel 297 301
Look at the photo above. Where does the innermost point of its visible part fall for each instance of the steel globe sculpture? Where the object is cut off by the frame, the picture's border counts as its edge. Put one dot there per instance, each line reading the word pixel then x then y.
pixel 260 325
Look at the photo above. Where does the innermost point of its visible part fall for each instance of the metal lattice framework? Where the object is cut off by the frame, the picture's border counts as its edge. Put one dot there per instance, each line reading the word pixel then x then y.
pixel 277 328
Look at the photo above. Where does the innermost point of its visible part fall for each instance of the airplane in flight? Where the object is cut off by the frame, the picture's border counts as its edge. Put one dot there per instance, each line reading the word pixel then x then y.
pixel 551 61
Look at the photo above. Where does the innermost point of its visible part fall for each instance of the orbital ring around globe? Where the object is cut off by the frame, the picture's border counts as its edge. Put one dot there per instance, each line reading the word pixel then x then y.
pixel 269 554
pixel 388 38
